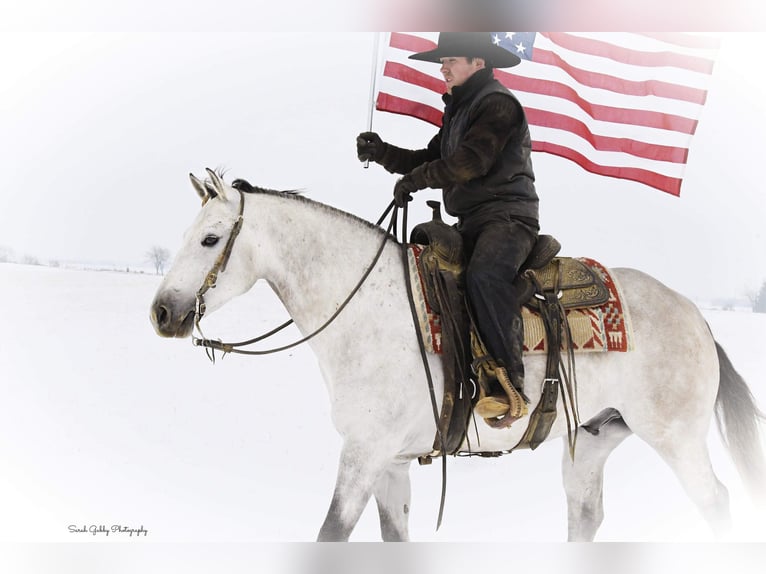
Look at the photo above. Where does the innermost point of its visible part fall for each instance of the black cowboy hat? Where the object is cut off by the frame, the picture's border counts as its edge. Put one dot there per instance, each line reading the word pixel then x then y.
pixel 469 44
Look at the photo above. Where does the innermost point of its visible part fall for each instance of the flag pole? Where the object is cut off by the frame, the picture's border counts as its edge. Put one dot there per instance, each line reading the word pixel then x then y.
pixel 373 86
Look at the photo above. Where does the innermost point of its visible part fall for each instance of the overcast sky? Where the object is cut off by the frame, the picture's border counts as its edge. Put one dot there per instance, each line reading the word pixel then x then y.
pixel 98 132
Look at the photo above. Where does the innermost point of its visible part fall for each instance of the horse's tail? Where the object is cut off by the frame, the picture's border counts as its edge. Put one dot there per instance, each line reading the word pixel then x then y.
pixel 738 421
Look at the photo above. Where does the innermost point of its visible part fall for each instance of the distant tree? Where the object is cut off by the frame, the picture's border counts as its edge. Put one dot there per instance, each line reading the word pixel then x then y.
pixel 759 300
pixel 6 254
pixel 158 256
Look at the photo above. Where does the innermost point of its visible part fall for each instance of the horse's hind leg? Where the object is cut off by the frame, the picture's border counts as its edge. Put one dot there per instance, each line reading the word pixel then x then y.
pixel 584 478
pixel 392 493
pixel 691 463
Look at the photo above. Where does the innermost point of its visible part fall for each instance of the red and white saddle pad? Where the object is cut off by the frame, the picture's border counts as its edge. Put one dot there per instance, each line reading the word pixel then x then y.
pixel 596 329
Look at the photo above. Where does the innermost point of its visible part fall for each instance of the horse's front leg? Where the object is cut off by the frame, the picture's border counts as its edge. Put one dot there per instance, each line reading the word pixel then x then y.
pixel 358 474
pixel 392 493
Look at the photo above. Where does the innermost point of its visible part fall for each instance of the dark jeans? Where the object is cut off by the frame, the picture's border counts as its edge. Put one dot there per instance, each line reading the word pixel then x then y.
pixel 495 250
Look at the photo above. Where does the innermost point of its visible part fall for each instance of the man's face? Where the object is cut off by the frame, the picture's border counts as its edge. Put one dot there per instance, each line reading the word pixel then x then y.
pixel 456 70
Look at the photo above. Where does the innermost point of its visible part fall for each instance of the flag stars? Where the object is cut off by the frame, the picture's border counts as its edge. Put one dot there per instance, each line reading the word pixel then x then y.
pixel 521 48
pixel 498 39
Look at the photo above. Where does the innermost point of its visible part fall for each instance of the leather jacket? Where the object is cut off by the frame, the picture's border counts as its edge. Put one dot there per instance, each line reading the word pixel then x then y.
pixel 481 156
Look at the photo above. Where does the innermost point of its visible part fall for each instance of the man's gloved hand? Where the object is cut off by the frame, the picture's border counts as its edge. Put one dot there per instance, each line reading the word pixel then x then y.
pixel 403 191
pixel 369 146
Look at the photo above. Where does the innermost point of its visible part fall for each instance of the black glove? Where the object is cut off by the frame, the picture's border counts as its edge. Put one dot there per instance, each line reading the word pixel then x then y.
pixel 403 191
pixel 369 146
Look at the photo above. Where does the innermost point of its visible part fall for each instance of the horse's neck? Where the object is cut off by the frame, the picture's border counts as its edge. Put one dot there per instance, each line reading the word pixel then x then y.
pixel 311 256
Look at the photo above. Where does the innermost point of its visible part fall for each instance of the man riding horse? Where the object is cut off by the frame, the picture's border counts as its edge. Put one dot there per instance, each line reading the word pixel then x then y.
pixel 480 158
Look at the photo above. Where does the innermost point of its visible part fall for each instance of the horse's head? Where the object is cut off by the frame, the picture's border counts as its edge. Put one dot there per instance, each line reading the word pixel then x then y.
pixel 211 267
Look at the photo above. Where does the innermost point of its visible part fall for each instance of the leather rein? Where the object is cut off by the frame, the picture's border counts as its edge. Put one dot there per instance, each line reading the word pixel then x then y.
pixel 212 345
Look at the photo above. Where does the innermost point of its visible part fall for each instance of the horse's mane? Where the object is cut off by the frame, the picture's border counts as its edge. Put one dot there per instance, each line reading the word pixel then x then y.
pixel 245 187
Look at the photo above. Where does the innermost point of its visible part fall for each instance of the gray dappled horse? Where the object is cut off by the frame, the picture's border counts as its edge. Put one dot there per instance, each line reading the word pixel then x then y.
pixel 666 389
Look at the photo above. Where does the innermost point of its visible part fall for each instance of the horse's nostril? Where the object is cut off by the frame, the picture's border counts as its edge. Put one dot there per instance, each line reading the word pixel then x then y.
pixel 162 315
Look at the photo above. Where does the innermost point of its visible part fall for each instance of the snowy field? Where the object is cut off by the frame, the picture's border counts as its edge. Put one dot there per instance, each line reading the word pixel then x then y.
pixel 104 423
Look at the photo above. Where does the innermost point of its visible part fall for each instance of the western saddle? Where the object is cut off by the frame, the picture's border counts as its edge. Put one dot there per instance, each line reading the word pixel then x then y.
pixel 549 285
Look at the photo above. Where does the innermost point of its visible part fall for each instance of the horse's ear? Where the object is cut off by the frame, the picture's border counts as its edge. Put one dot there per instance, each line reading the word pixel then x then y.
pixel 218 185
pixel 199 187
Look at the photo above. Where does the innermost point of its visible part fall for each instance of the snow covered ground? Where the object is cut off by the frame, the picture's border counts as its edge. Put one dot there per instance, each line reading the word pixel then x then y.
pixel 104 423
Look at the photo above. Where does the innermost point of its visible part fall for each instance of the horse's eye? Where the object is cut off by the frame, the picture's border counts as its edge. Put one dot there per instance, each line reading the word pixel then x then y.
pixel 210 240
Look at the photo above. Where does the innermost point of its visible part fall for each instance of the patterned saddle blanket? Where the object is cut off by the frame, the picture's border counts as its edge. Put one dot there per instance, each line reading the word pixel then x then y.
pixel 601 328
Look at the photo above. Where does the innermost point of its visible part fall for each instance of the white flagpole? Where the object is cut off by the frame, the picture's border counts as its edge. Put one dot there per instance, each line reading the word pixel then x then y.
pixel 373 86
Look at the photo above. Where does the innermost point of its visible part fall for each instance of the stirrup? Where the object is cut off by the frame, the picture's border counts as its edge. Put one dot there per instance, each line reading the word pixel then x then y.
pixel 511 407
pixel 492 407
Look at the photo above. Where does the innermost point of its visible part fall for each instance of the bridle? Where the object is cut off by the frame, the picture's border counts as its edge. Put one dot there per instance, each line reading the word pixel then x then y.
pixel 212 345
pixel 219 266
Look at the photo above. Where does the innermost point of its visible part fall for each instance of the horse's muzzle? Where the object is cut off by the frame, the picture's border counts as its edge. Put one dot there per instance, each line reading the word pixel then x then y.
pixel 170 319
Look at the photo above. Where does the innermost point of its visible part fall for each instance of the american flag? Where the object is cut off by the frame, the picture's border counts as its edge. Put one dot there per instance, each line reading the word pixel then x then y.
pixel 623 105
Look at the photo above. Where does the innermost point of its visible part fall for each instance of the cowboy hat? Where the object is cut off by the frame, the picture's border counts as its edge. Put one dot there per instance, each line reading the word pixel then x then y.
pixel 469 44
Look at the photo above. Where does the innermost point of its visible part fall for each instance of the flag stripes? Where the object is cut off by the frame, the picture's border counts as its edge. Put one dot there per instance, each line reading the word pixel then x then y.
pixel 618 104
